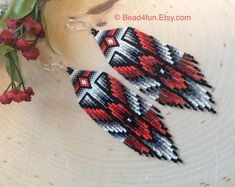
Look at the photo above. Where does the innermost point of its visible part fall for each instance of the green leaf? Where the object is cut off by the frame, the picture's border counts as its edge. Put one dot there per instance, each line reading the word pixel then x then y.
pixel 4 49
pixel 18 9
pixel 44 25
pixel 12 66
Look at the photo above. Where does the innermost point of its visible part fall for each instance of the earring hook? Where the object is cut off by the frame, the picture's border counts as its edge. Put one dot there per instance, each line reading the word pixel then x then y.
pixel 74 21
pixel 54 67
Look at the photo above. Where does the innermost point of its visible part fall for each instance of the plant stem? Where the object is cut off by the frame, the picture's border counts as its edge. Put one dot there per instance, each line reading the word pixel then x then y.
pixel 8 87
pixel 18 87
pixel 18 28
pixel 12 80
pixel 16 33
pixel 18 71
pixel 36 11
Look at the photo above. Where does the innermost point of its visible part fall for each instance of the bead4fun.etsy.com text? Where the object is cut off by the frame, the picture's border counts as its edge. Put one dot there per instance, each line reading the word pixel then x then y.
pixel 147 17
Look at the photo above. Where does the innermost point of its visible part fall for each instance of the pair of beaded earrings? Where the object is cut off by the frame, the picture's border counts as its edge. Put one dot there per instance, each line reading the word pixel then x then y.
pixel 158 70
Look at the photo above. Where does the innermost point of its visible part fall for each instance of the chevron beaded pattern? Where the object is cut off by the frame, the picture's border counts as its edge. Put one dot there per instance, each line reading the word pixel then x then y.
pixel 123 114
pixel 159 70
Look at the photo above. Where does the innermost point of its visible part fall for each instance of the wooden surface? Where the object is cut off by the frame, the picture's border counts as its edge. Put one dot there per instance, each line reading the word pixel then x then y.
pixel 52 142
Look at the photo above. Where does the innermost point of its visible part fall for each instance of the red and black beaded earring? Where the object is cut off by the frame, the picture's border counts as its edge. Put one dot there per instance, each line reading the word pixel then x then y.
pixel 159 70
pixel 122 113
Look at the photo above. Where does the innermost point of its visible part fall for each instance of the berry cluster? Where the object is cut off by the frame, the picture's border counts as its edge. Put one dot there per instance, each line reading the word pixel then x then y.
pixel 21 29
pixel 16 96
pixel 22 25
pixel 16 36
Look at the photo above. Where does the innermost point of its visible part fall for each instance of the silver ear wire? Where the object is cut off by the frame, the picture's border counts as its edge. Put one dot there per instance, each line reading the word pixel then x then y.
pixel 54 67
pixel 73 24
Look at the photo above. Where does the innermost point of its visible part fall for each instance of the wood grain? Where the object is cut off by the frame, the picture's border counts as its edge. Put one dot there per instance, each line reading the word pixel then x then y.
pixel 52 142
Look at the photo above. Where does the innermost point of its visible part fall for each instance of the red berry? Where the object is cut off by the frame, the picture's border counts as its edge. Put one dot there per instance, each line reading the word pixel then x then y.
pixel 11 94
pixel 12 24
pixel 16 98
pixel 31 54
pixel 28 23
pixel 20 96
pixel 24 96
pixel 22 44
pixel 4 99
pixel 29 91
pixel 28 98
pixel 6 37
pixel 37 28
